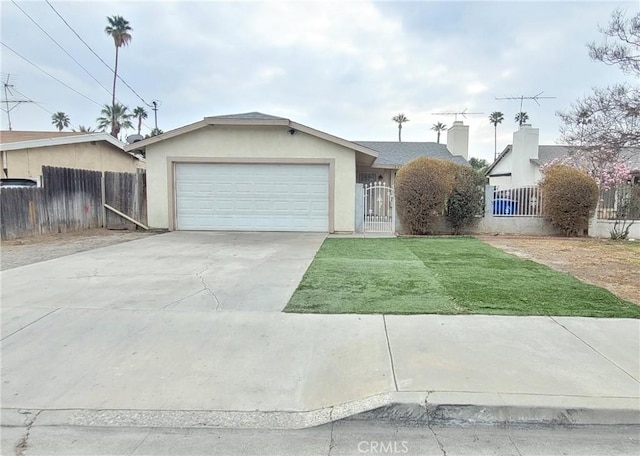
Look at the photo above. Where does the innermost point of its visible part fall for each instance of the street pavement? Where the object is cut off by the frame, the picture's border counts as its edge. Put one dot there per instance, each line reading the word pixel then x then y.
pixel 184 330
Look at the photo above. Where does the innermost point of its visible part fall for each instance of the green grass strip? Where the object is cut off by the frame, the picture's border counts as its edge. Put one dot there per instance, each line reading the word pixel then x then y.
pixel 455 275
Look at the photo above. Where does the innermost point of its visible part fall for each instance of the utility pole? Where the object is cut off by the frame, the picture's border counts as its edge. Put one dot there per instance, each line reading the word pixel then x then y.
pixel 462 113
pixel 156 104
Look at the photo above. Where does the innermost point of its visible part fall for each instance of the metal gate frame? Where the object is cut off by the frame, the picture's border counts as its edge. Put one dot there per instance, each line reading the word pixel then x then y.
pixel 379 208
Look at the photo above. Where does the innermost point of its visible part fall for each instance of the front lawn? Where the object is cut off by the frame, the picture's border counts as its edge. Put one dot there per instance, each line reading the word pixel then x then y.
pixel 445 276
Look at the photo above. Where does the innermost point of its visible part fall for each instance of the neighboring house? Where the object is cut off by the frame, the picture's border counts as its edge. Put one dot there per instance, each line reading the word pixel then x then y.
pixel 24 153
pixel 256 172
pixel 519 163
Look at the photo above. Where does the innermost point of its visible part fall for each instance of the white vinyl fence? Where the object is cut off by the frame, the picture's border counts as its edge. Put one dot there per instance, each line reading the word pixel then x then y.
pixel 516 202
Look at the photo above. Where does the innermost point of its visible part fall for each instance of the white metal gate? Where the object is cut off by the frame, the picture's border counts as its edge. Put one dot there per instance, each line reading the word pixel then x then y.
pixel 379 212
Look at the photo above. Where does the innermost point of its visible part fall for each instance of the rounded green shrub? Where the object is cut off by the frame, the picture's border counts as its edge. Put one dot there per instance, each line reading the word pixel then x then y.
pixel 466 201
pixel 570 196
pixel 423 187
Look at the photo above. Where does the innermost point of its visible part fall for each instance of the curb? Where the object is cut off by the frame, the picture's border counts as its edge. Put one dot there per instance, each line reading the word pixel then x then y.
pixel 410 409
pixel 500 416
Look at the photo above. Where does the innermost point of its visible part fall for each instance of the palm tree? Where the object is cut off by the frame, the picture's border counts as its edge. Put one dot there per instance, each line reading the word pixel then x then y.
pixel 83 129
pixel 438 127
pixel 400 119
pixel 60 120
pixel 495 118
pixel 116 116
pixel 118 28
pixel 139 113
pixel 521 118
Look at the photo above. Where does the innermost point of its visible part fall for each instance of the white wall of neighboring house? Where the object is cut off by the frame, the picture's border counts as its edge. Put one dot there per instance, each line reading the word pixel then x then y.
pixel 515 169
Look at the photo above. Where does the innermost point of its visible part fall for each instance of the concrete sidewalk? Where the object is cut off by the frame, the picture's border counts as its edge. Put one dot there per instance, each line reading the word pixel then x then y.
pixel 273 370
pixel 184 330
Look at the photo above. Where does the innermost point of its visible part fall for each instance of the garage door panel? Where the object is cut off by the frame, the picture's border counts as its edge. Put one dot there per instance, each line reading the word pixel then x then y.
pixel 256 197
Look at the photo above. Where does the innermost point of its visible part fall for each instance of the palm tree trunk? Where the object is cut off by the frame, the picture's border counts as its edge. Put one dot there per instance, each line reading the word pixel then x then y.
pixel 113 97
pixel 399 132
pixel 495 142
pixel 438 136
pixel 139 124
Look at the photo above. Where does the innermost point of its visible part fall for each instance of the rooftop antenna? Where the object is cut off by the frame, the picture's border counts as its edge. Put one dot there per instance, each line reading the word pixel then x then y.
pixel 7 91
pixel 462 113
pixel 524 97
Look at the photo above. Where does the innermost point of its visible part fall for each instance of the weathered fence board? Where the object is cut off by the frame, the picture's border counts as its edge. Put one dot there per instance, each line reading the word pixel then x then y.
pixel 70 200
pixel 125 192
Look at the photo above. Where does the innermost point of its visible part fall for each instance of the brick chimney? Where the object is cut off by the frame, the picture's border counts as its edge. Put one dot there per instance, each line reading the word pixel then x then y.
pixel 458 139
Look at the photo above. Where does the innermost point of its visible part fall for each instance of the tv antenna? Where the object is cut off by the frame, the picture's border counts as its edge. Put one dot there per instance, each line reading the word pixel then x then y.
pixel 462 113
pixel 7 86
pixel 523 97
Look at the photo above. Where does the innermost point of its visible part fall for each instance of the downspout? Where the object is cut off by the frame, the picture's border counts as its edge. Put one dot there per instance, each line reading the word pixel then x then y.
pixel 5 167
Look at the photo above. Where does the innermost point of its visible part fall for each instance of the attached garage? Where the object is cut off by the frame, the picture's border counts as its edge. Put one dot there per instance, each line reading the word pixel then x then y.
pixel 251 172
pixel 252 197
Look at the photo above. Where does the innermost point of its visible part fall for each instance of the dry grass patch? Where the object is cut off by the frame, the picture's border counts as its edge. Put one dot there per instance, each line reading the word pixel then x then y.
pixel 614 265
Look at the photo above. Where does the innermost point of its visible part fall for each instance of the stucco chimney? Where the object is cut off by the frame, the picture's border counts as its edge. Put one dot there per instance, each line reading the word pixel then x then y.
pixel 458 139
pixel 525 149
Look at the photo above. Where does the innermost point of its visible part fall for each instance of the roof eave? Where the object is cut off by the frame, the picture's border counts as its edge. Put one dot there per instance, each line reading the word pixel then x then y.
pixel 63 140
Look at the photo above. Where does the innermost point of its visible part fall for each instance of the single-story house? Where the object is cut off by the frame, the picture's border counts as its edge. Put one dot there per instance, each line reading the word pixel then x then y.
pixel 257 172
pixel 24 153
pixel 519 163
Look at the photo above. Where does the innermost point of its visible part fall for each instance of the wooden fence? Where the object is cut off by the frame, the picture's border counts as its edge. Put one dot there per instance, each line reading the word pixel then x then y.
pixel 127 193
pixel 70 200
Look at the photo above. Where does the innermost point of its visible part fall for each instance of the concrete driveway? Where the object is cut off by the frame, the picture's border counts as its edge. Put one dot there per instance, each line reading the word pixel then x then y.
pixel 178 271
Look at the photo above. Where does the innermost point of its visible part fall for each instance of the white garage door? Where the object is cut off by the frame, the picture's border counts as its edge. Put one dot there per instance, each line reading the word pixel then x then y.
pixel 252 197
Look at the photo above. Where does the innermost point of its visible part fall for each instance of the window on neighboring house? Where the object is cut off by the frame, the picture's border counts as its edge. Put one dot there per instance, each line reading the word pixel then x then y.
pixel 366 178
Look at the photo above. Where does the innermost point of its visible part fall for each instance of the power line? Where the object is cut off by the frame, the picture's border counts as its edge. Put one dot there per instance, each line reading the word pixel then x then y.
pixel 60 46
pixel 49 74
pixel 94 133
pixel 94 53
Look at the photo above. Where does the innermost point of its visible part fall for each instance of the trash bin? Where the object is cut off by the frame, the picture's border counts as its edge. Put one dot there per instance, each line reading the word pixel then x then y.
pixel 504 206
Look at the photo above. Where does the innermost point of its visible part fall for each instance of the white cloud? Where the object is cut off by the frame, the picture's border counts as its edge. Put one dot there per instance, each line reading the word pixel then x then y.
pixel 343 67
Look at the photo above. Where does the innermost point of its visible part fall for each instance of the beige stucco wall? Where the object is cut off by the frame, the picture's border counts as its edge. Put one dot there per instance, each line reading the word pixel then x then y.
pixel 245 144
pixel 98 156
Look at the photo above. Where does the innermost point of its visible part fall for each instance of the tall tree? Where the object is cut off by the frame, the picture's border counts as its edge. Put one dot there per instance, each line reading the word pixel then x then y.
pixel 521 118
pixel 140 113
pixel 118 28
pixel 60 120
pixel 438 127
pixel 495 118
pixel 116 116
pixel 400 119
pixel 623 52
pixel 478 164
pixel 602 124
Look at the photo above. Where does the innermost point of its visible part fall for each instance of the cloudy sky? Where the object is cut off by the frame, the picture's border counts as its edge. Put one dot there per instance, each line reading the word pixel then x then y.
pixel 342 67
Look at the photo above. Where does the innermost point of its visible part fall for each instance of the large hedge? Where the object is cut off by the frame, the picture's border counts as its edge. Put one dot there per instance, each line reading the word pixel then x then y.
pixel 423 187
pixel 570 196
pixel 466 200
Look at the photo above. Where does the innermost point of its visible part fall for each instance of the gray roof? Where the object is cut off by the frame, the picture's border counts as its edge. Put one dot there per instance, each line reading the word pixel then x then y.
pixel 548 153
pixel 393 153
pixel 249 116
